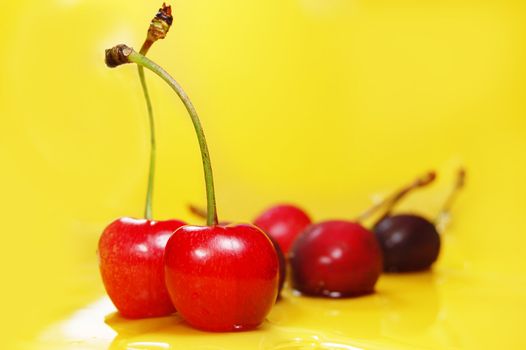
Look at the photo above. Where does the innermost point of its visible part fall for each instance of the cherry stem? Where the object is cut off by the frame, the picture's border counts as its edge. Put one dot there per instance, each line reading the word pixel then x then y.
pixel 159 27
pixel 197 211
pixel 151 173
pixel 443 215
pixel 121 54
pixel 392 200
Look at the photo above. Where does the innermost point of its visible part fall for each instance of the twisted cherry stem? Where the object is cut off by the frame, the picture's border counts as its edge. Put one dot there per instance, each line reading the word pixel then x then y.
pixel 151 172
pixel 391 201
pixel 443 216
pixel 121 54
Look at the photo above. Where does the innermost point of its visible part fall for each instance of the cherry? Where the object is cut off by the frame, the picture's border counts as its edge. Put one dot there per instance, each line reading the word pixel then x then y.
pixel 131 264
pixel 283 223
pixel 131 250
pixel 220 278
pixel 281 257
pixel 340 258
pixel 411 242
pixel 335 259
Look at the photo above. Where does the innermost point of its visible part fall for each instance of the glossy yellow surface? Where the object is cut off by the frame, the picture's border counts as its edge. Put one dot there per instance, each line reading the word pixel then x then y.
pixel 325 103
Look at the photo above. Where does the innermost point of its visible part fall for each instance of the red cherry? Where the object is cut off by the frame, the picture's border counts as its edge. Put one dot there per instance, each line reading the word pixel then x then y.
pixel 221 278
pixel 281 257
pixel 283 223
pixel 335 259
pixel 131 250
pixel 131 264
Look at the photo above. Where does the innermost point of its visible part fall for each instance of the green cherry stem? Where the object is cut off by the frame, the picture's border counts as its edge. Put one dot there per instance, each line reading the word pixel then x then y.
pixel 151 173
pixel 159 27
pixel 121 54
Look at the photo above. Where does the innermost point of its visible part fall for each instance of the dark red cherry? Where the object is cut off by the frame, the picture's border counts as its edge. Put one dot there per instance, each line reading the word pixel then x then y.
pixel 409 242
pixel 335 259
pixel 283 223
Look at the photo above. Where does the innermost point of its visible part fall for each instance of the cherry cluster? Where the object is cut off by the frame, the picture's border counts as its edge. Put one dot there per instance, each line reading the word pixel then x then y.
pixel 227 277
pixel 342 258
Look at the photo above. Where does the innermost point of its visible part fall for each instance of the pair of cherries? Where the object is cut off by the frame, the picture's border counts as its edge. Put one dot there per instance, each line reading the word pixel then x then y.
pixel 149 266
pixel 340 258
pixel 220 278
pixel 217 277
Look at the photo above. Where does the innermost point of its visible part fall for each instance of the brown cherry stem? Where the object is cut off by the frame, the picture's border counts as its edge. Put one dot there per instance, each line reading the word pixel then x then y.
pixel 443 216
pixel 391 201
pixel 197 211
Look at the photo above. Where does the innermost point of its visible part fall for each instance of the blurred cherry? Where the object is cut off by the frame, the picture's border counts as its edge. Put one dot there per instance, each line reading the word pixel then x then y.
pixel 411 242
pixel 340 258
pixel 335 259
pixel 283 222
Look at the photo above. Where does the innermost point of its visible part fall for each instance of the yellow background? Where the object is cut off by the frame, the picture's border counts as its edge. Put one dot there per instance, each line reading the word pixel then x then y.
pixel 324 103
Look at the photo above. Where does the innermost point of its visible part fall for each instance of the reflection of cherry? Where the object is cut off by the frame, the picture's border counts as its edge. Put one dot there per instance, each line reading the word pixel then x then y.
pixel 283 223
pixel 281 257
pixel 340 258
pixel 220 278
pixel 411 242
pixel 131 250
pixel 128 334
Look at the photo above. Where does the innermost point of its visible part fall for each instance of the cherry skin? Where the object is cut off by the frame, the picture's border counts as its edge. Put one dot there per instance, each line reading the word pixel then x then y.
pixel 409 242
pixel 281 257
pixel 221 278
pixel 335 259
pixel 283 223
pixel 131 264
